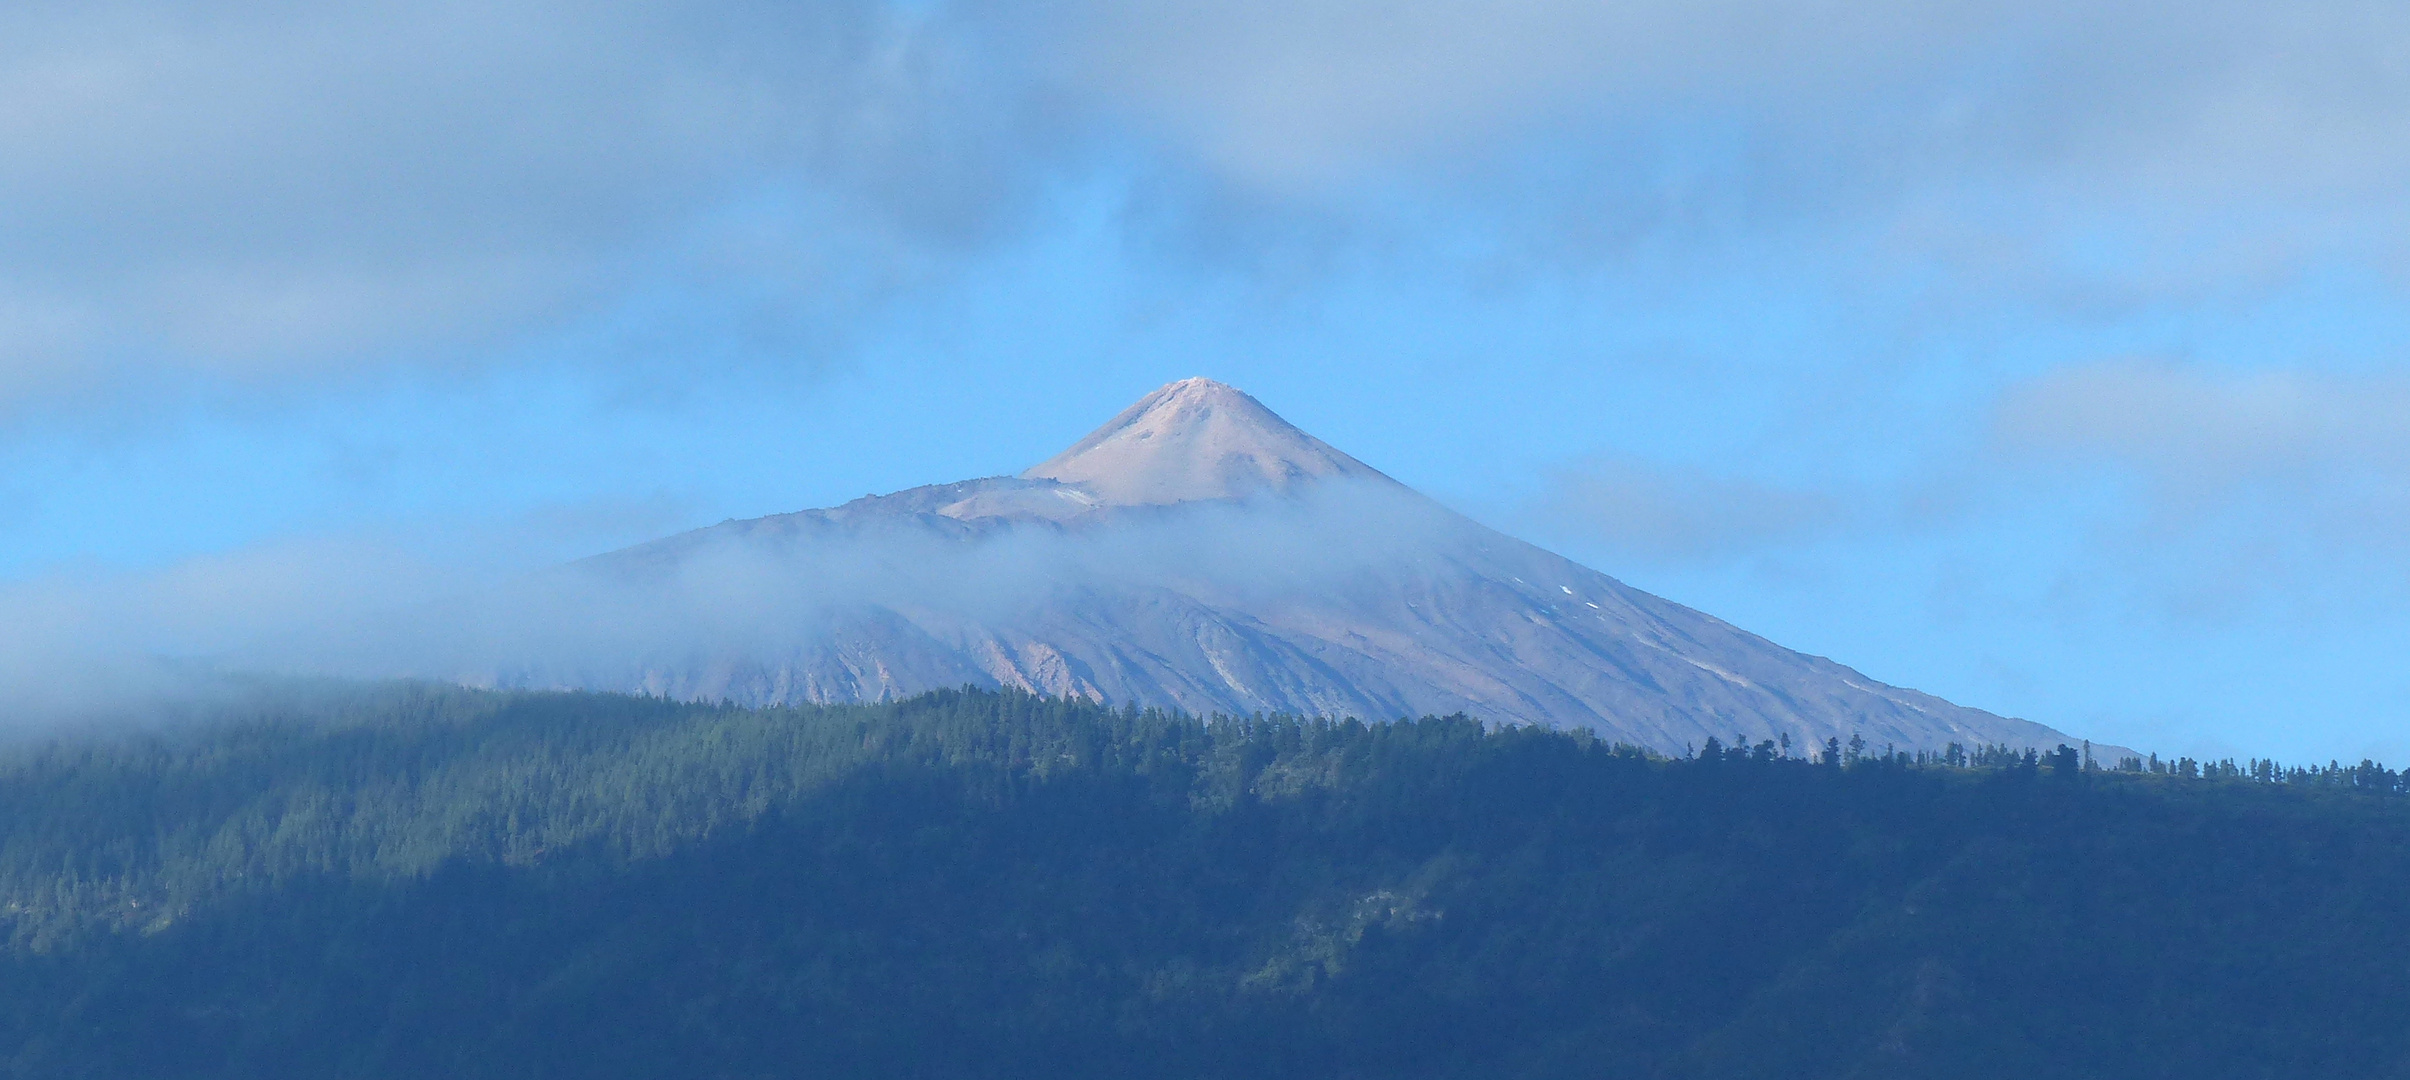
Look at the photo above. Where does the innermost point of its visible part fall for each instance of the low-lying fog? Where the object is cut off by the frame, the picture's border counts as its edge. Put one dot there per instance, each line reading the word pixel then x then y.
pixel 125 645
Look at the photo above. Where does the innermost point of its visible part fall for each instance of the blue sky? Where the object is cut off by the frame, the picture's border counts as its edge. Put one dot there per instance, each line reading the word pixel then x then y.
pixel 2047 356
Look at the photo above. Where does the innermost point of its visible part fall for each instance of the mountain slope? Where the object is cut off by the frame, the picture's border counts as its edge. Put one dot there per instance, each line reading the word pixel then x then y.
pixel 1200 553
pixel 347 881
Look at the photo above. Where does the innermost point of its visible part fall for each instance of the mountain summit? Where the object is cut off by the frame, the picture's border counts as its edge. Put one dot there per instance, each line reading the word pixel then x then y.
pixel 1198 552
pixel 1195 440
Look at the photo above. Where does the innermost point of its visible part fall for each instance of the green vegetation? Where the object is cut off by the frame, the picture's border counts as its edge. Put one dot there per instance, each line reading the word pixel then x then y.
pixel 420 881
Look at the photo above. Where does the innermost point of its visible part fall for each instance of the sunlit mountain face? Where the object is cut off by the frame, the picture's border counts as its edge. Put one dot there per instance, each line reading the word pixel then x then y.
pixel 1197 552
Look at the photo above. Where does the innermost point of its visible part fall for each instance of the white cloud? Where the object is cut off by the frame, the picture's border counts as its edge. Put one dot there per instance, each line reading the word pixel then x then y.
pixel 260 189
pixel 268 190
pixel 2081 156
pixel 117 644
pixel 2226 93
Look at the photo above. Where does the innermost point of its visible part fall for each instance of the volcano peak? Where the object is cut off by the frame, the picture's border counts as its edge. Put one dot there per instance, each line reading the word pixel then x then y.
pixel 1196 439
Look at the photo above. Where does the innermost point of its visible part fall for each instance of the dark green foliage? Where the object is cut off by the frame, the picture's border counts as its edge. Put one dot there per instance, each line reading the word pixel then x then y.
pixel 420 881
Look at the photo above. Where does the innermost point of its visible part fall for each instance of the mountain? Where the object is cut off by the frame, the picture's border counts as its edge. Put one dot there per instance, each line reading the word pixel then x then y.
pixel 1197 440
pixel 348 881
pixel 1198 552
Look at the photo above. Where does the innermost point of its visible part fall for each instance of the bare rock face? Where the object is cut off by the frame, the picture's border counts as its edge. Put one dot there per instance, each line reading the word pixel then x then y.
pixel 1192 441
pixel 1197 552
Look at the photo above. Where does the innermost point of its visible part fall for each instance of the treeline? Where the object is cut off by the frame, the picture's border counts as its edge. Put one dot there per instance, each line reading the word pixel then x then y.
pixel 416 881
pixel 2368 777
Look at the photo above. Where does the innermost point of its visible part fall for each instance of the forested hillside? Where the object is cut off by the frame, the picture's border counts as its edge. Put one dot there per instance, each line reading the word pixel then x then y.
pixel 415 881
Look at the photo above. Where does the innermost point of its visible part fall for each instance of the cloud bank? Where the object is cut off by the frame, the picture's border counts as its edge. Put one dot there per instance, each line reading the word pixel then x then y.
pixel 272 191
pixel 262 191
pixel 125 645
pixel 1302 92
